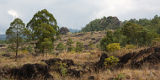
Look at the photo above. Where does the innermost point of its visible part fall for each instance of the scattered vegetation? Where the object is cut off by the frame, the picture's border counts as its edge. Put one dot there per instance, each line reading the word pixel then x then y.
pixel 134 44
pixel 79 47
pixel 69 45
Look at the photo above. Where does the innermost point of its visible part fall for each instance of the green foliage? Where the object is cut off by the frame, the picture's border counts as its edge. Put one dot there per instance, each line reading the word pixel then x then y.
pixel 15 34
pixel 69 45
pixel 111 61
pixel 63 68
pixel 106 40
pixel 129 33
pixel 43 28
pixel 47 45
pixel 40 17
pixel 151 24
pixel 60 47
pixel 112 37
pixel 15 31
pixel 137 34
pixel 102 24
pixel 113 47
pixel 79 47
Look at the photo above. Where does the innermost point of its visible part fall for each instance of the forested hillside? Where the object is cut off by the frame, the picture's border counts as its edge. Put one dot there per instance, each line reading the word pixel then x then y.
pixel 102 24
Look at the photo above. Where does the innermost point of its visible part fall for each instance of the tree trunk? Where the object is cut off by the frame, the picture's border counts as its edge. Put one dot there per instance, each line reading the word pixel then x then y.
pixel 17 45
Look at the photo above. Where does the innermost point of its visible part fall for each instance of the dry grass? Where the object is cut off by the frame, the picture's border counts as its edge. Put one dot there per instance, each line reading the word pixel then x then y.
pixel 123 74
pixel 80 58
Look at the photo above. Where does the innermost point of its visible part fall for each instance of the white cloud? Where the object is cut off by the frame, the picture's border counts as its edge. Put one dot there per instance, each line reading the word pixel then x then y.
pixel 126 9
pixel 13 13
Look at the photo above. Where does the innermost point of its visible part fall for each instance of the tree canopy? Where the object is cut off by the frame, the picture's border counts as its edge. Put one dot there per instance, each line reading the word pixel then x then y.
pixel 102 24
pixel 15 34
pixel 40 17
pixel 43 28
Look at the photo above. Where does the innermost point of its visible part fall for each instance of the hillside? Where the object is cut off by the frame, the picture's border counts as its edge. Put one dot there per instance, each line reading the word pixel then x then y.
pixel 2 37
pixel 82 66
pixel 102 24
pixel 86 38
pixel 105 49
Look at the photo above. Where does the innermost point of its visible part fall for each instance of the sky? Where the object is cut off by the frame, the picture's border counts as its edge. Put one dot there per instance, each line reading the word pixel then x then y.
pixel 76 14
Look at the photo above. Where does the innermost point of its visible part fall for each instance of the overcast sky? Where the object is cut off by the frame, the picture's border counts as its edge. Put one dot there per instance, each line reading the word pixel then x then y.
pixel 76 14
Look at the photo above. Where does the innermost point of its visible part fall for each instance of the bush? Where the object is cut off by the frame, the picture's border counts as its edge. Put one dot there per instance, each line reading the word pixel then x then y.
pixel 79 47
pixel 109 38
pixel 60 47
pixel 63 68
pixel 69 45
pixel 112 37
pixel 111 61
pixel 113 47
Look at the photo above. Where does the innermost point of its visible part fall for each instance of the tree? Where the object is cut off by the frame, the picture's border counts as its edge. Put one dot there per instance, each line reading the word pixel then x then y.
pixel 63 30
pixel 43 28
pixel 112 37
pixel 102 24
pixel 109 38
pixel 15 33
pixel 137 34
pixel 45 38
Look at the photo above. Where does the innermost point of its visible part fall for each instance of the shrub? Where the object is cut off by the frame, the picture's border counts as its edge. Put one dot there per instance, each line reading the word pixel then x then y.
pixel 60 47
pixel 79 47
pixel 112 37
pixel 110 61
pixel 113 47
pixel 69 45
pixel 63 68
pixel 107 40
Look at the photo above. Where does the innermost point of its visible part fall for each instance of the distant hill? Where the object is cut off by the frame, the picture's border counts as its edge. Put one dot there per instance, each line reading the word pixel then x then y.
pixel 102 24
pixel 2 36
pixel 74 30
